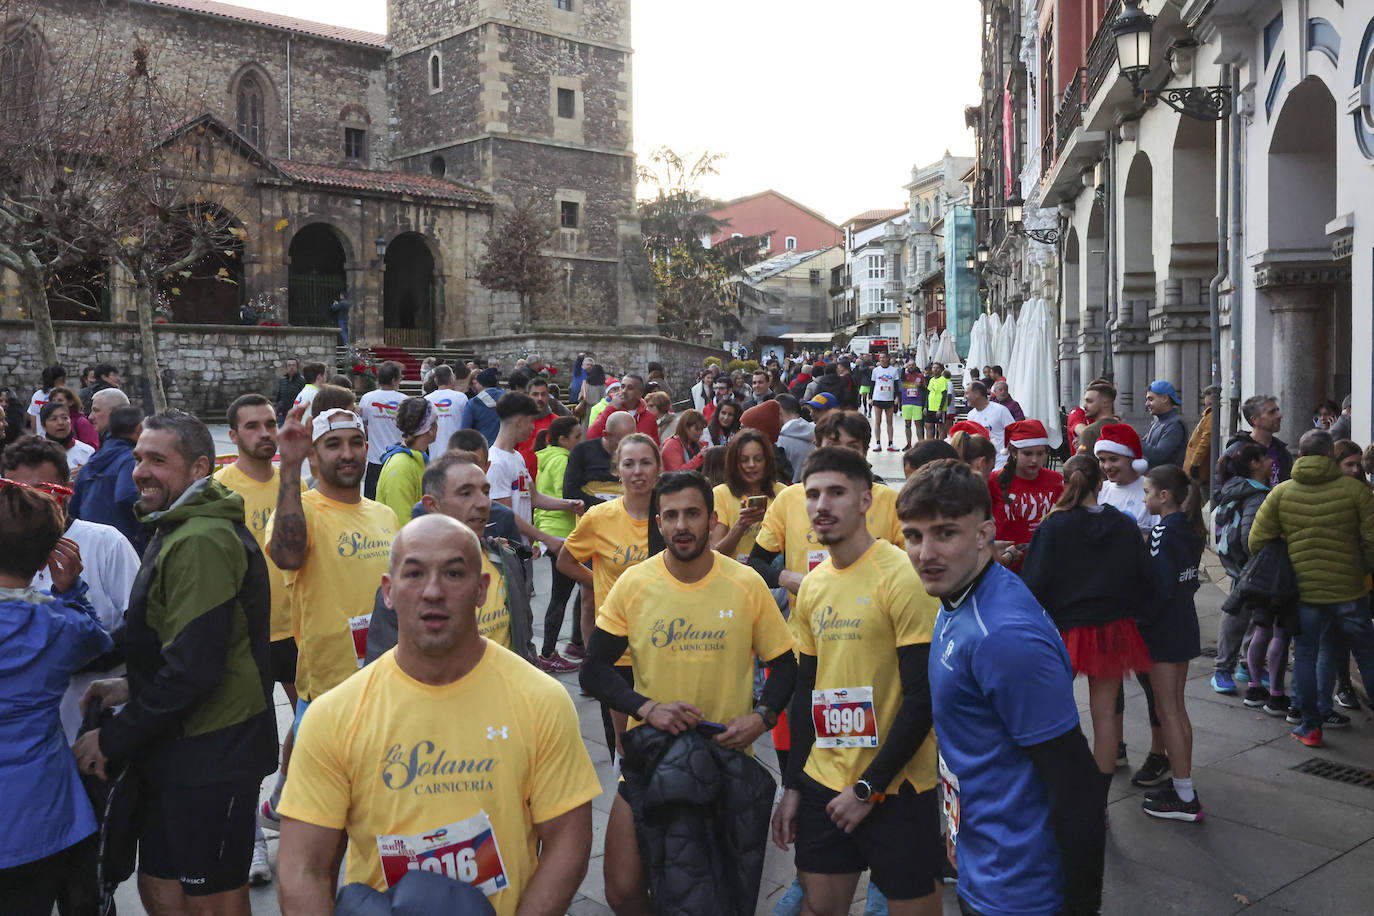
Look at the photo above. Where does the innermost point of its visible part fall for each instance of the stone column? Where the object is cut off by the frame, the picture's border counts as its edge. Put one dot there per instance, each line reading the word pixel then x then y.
pixel 1300 298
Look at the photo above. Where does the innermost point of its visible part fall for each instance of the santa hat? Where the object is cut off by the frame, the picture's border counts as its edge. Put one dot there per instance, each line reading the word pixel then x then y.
pixel 1121 439
pixel 970 427
pixel 1027 434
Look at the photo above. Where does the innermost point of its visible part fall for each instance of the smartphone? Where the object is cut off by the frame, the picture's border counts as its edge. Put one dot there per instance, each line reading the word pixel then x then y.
pixel 710 728
pixel 756 502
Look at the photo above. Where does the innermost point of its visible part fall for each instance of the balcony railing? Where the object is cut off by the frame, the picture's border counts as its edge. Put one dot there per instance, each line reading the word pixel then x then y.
pixel 1069 117
pixel 1102 52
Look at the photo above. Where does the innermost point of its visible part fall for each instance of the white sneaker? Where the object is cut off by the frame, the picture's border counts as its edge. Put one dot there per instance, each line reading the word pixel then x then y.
pixel 260 872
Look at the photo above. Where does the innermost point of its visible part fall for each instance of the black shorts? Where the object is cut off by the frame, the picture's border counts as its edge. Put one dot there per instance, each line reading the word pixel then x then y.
pixel 201 836
pixel 899 842
pixel 281 660
pixel 883 405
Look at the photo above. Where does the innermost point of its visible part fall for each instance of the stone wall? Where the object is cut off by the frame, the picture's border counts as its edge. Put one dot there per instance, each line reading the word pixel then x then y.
pixel 204 367
pixel 618 353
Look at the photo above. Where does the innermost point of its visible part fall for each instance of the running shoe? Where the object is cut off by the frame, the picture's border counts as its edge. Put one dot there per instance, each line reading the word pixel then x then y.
pixel 1223 683
pixel 1243 672
pixel 556 664
pixel 575 650
pixel 1312 737
pixel 878 447
pixel 1345 697
pixel 1165 803
pixel 1153 772
pixel 892 448
pixel 260 871
pixel 1256 697
pixel 1277 705
pixel 1294 716
pixel 790 903
pixel 1121 759
pixel 269 815
pixel 1335 720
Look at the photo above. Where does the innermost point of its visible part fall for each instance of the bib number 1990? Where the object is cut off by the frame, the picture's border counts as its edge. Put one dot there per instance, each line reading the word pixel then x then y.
pixel 844 717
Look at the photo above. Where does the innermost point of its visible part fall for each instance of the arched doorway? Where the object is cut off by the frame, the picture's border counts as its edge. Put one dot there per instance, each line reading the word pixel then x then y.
pixel 1070 361
pixel 210 290
pixel 409 295
pixel 1093 282
pixel 1182 337
pixel 316 275
pixel 1304 290
pixel 1134 357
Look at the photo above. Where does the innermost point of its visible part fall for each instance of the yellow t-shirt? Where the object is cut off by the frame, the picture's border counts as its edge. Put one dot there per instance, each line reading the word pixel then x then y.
pixel 347 549
pixel 493 617
pixel 727 513
pixel 449 778
pixel 786 527
pixel 259 502
pixel 613 540
pixel 853 620
pixel 696 641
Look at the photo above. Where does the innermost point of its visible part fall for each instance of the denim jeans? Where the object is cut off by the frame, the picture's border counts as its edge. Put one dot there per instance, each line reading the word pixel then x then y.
pixel 1314 672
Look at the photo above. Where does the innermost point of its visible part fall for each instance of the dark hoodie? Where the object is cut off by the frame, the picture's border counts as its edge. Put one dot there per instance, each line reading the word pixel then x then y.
pixel 1088 567
pixel 105 491
pixel 1278 451
pixel 195 639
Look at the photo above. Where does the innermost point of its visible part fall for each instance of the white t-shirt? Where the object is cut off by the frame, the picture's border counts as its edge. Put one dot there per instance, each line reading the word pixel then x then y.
pixel 510 478
pixel 996 418
pixel 77 455
pixel 109 565
pixel 378 409
pixel 1129 499
pixel 450 405
pixel 885 382
pixel 40 398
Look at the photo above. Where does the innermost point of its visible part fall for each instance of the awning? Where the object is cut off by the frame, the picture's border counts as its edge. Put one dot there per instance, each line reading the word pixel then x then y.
pixel 811 338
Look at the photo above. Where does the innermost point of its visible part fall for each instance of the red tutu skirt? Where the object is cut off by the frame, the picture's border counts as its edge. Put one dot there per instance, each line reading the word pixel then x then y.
pixel 1107 650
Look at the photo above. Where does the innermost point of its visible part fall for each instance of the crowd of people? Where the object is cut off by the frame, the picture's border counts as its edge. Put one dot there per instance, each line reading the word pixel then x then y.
pixel 736 569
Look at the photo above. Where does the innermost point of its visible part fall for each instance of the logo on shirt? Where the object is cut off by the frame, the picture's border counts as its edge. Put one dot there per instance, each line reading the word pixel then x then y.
pixel 730 613
pixel 677 635
pixel 357 545
pixel 493 732
pixel 945 655
pixel 626 555
pixel 828 625
pixel 259 518
pixel 438 772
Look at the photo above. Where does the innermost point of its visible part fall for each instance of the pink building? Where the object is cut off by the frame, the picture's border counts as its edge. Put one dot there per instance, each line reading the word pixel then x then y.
pixel 789 225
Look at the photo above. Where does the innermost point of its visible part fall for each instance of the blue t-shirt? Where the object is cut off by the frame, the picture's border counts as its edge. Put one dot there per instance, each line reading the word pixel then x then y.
pixel 1000 681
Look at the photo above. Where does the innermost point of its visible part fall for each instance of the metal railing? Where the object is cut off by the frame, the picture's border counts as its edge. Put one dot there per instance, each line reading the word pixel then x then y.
pixel 1069 117
pixel 1102 52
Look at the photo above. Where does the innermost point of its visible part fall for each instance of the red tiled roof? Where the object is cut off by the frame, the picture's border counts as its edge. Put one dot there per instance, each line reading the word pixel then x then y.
pixel 382 182
pixel 874 216
pixel 274 20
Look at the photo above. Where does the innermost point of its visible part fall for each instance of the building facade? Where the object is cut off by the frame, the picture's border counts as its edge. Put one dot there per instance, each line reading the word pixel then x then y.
pixel 934 192
pixel 786 300
pixel 784 224
pixel 870 301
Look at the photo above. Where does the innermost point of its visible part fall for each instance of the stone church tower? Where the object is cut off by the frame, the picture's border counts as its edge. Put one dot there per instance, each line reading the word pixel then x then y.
pixel 530 100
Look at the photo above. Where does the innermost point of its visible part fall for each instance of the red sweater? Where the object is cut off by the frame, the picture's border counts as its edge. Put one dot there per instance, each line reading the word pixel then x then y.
pixel 1029 502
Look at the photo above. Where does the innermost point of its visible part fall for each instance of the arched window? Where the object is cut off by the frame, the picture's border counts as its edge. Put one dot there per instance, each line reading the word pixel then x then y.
pixel 436 72
pixel 251 113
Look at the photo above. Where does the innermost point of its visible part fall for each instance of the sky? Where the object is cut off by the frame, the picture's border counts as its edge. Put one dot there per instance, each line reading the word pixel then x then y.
pixel 831 110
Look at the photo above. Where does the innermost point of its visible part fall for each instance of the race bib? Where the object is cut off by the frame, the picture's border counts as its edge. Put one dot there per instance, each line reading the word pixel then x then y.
pixel 465 851
pixel 815 558
pixel 844 717
pixel 949 799
pixel 359 626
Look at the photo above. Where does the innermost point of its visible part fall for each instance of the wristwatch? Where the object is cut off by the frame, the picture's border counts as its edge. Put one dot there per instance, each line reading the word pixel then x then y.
pixel 770 718
pixel 863 791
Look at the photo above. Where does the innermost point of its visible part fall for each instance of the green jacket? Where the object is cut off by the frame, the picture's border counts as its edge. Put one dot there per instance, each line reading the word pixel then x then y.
pixel 1328 521
pixel 553 464
pixel 196 644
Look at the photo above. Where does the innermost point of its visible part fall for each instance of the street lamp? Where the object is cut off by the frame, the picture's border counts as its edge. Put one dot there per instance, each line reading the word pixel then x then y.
pixel 1133 31
pixel 970 262
pixel 1016 210
pixel 381 247
pixel 983 253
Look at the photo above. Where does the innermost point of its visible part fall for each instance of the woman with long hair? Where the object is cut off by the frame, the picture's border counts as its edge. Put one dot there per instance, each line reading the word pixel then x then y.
pixel 684 449
pixel 1171 632
pixel 1094 604
pixel 976 451
pixel 724 422
pixel 613 536
pixel 56 422
pixel 750 485
pixel 403 465
pixel 82 427
pixel 661 406
pixel 1024 491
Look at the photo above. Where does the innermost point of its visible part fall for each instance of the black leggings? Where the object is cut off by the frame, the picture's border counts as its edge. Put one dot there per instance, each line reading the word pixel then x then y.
pixel 1149 698
pixel 563 586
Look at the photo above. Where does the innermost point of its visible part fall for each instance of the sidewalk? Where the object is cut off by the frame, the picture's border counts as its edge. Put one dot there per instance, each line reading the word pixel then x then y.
pixel 1274 840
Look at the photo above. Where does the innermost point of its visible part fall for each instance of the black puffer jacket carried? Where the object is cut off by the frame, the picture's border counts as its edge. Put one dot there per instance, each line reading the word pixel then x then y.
pixel 701 817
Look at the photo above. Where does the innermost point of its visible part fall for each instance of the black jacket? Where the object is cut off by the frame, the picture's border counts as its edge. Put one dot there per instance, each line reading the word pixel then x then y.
pixel 701 818
pixel 1267 583
pixel 288 386
pixel 1283 463
pixel 1087 568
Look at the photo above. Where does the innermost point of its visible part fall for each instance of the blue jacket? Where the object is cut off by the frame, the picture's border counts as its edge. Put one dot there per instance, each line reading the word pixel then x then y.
pixel 105 491
pixel 43 640
pixel 480 414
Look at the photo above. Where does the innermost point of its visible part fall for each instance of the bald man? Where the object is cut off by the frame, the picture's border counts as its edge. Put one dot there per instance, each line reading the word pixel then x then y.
pixel 448 754
pixel 589 475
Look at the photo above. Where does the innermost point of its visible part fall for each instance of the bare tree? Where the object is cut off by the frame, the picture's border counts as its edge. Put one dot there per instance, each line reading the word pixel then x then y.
pixel 515 260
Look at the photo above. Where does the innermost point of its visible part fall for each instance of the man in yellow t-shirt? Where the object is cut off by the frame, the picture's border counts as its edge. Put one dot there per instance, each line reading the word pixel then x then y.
pixel 693 621
pixel 861 777
pixel 334 545
pixel 448 754
pixel 253 430
pixel 786 528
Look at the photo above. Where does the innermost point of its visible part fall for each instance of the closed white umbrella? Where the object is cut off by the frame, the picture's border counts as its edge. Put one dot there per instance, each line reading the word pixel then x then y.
pixel 1030 371
pixel 993 357
pixel 1005 346
pixel 979 353
pixel 922 352
pixel 949 353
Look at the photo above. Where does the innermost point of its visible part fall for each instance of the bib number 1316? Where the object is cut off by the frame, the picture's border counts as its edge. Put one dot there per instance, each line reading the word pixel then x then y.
pixel 464 851
pixel 844 717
